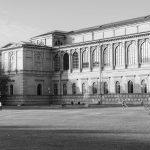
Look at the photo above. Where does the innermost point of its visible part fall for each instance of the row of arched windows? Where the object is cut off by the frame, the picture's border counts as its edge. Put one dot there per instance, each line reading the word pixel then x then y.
pixel 75 60
pixel 119 56
pixel 132 56
pixel 74 89
pixel 105 87
pixel 94 88
pixel 130 87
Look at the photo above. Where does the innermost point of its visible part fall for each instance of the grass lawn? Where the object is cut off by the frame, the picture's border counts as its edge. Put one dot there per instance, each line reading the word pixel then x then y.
pixel 75 129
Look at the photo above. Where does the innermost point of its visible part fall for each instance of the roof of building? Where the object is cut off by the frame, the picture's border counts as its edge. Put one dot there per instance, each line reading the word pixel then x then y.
pixel 114 24
pixel 21 44
pixel 51 32
pixel 100 27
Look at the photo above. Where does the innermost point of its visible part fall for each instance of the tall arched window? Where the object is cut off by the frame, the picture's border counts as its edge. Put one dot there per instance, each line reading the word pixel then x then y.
pixel 94 88
pixel 83 89
pixel 105 88
pixel 73 88
pixel 132 54
pixel 106 57
pixel 95 57
pixel 64 89
pixel 119 55
pixel 66 61
pixel 145 52
pixel 75 60
pixel 57 62
pixel 55 89
pixel 85 62
pixel 11 90
pixel 130 87
pixel 143 86
pixel 117 87
pixel 39 89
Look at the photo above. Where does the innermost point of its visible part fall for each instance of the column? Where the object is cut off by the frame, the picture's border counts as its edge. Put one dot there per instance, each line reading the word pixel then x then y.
pixel 61 61
pixel 138 54
pixel 125 55
pixel 113 57
pixel 100 67
pixel 89 57
pixel 80 59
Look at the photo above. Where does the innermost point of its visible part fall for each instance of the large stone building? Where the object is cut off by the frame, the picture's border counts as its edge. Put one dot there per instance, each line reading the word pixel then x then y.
pixel 111 60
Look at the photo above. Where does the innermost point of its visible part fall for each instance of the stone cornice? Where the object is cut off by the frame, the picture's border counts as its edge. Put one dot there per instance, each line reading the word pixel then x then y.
pixel 26 46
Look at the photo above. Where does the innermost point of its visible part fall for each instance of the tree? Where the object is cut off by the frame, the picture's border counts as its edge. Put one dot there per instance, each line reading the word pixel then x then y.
pixel 4 79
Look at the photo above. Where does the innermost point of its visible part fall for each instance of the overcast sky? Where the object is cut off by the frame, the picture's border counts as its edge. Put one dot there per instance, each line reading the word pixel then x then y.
pixel 22 19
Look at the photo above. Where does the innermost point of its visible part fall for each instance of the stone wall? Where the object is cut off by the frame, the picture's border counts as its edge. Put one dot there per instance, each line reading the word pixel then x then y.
pixel 26 100
pixel 101 99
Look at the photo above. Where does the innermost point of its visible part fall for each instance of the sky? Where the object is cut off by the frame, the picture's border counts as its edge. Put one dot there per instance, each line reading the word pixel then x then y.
pixel 23 19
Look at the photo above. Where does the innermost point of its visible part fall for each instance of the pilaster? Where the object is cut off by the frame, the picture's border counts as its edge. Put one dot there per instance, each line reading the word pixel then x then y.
pixel 70 62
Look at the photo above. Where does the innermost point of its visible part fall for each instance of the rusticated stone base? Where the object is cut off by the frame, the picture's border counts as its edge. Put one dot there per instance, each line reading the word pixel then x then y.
pixel 101 99
pixel 77 99
pixel 26 100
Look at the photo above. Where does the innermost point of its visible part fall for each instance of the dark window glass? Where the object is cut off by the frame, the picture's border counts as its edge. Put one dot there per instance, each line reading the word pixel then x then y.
pixel 57 62
pixel 75 60
pixel 55 89
pixel 130 87
pixel 143 87
pixel 64 89
pixel 105 88
pixel 39 89
pixel 94 88
pixel 73 88
pixel 11 90
pixel 66 61
pixel 117 87
pixel 83 89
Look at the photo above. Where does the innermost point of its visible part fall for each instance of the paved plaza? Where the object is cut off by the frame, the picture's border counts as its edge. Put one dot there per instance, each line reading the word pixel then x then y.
pixel 75 129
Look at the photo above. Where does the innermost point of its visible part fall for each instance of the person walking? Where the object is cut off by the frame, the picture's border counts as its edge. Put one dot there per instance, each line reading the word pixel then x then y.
pixel 124 103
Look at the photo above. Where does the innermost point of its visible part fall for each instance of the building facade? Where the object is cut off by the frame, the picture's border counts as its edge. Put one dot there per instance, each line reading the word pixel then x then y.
pixel 93 65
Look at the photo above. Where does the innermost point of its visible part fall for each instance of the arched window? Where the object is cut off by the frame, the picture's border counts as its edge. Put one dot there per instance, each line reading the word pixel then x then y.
pixel 130 87
pixel 55 89
pixel 66 61
pixel 11 90
pixel 12 62
pixel 117 87
pixel 75 60
pixel 57 62
pixel 95 57
pixel 106 57
pixel 64 89
pixel 143 86
pixel 119 55
pixel 105 88
pixel 83 89
pixel 73 88
pixel 145 52
pixel 39 89
pixel 132 54
pixel 94 88
pixel 85 62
